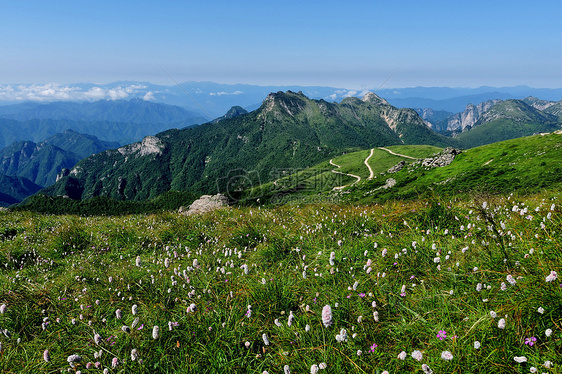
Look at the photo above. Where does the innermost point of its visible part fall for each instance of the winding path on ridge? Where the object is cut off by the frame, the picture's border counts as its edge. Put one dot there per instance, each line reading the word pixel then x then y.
pixel 366 162
pixel 339 172
pixel 397 154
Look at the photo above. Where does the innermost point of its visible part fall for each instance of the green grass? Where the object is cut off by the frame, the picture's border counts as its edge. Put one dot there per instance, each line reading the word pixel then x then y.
pixel 417 151
pixel 56 269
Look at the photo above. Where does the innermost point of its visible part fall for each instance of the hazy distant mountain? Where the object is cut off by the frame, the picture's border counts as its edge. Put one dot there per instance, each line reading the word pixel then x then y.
pixel 83 145
pixel 14 189
pixel 211 100
pixel 114 121
pixel 235 111
pixel 131 111
pixel 289 130
pixel 41 162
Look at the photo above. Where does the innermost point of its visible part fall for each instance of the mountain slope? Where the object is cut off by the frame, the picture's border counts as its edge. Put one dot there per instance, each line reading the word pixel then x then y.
pixel 15 189
pixel 508 120
pixel 289 130
pixel 40 163
pixel 83 145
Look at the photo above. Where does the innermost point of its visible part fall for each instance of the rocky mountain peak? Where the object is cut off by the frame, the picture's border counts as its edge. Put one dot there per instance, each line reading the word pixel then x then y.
pixel 373 98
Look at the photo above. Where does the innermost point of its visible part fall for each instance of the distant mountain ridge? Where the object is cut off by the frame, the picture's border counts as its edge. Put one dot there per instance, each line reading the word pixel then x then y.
pixel 289 130
pixel 14 189
pixel 41 162
pixel 115 121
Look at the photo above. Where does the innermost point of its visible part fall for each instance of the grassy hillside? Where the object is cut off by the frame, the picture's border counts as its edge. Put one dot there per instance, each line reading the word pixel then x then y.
pixel 527 165
pixel 463 286
pixel 304 183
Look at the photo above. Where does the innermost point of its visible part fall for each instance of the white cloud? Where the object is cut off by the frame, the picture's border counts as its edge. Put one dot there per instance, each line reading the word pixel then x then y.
pixel 149 96
pixel 56 92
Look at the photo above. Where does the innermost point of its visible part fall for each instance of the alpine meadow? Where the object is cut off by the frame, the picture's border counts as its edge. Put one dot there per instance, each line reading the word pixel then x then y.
pixel 266 187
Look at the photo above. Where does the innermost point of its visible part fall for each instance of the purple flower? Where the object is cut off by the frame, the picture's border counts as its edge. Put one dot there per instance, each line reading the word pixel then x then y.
pixel 442 334
pixel 372 349
pixel 530 341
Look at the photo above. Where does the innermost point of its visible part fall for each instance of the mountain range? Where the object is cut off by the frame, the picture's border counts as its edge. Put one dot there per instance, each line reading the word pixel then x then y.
pixel 41 162
pixel 211 100
pixel 289 131
pixel 119 121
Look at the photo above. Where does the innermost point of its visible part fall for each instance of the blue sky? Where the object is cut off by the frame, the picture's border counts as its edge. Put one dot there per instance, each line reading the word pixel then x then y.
pixel 348 44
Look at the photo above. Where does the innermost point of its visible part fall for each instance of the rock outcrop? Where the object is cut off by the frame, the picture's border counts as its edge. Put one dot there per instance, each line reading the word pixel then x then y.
pixel 204 204
pixel 443 158
pixel 396 168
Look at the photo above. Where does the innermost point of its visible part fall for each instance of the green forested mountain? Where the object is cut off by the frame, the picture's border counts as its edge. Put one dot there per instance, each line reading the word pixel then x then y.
pixel 15 189
pixel 41 162
pixel 287 131
pixel 508 119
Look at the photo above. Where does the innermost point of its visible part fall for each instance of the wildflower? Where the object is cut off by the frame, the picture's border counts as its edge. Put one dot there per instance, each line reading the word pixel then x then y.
pixel 540 310
pixel 265 339
pixel 322 366
pixel 503 287
pixel 46 356
pixel 533 369
pixel 114 362
pixel 442 334
pixel 134 309
pixel 118 314
pixel 476 344
pixel 402 355
pixel 426 369
pixel 327 316
pixel 3 308
pixel 372 348
pixel 417 355
pixel 511 280
pixel 342 337
pixel 552 276
pixel 138 261
pixel 479 287
pixel 155 332
pixel 73 360
pixel 520 359
pixel 446 355
pixel 359 352
pixel 501 324
pixel 530 341
pixel 286 369
pixel 134 354
pixel 548 332
pixel 314 369
pixel 493 314
pixel 307 328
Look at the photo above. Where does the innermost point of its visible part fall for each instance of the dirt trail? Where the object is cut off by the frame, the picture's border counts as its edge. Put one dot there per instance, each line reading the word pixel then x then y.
pixel 371 173
pixel 397 154
pixel 339 172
